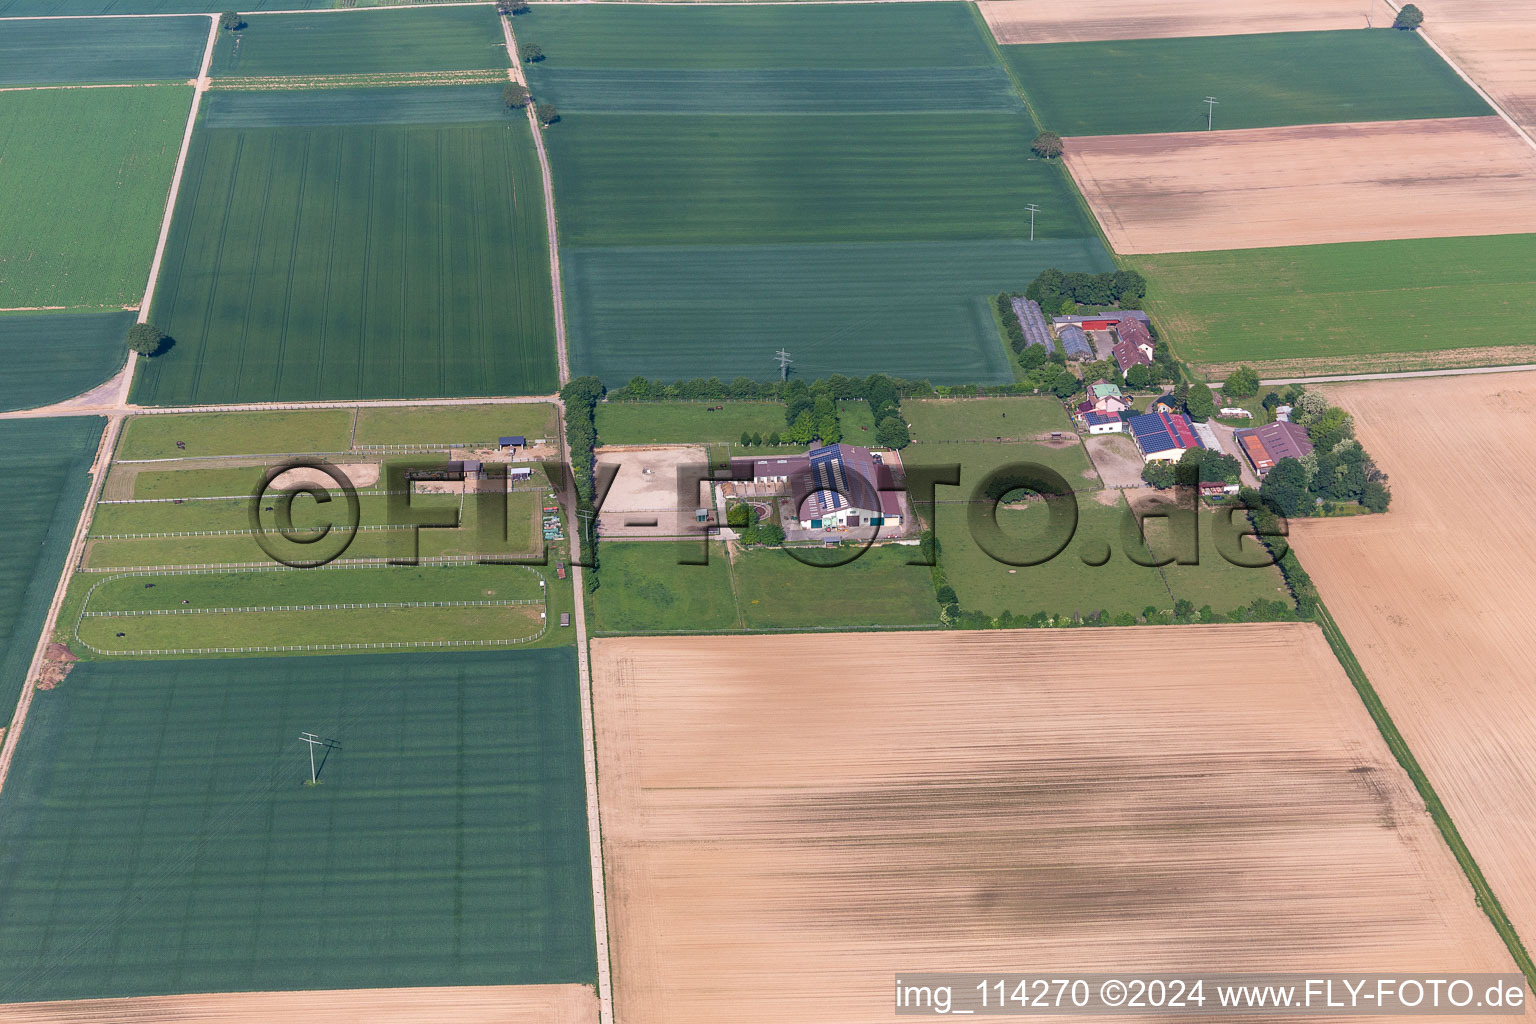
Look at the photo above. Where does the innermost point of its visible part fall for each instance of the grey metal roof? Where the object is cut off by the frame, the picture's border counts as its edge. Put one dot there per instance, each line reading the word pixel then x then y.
pixel 1074 342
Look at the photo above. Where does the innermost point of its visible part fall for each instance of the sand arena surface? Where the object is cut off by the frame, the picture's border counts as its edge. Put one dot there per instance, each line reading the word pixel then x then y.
pixel 1078 21
pixel 791 820
pixel 1252 188
pixel 501 1004
pixel 1435 598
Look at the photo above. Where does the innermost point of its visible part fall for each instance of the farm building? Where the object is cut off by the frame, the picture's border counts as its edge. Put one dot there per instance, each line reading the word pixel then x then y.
pixel 1134 346
pixel 1208 438
pixel 1101 321
pixel 1106 397
pixel 1163 435
pixel 512 441
pixel 1264 446
pixel 1163 403
pixel 1103 422
pixel 1074 343
pixel 1216 489
pixel 836 485
pixel 1032 321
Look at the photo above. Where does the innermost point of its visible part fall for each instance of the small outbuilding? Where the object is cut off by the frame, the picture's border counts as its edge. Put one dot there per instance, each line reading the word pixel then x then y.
pixel 512 441
pixel 1074 342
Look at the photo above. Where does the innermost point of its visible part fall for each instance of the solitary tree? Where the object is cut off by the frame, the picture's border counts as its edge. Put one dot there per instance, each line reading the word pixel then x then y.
pixel 530 53
pixel 546 113
pixel 514 95
pixel 231 21
pixel 892 433
pixel 1410 18
pixel 1242 382
pixel 146 339
pixel 1048 145
pixel 1200 404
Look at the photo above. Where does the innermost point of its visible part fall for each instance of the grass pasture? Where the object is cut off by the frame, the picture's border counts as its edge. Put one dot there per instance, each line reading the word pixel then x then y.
pixel 645 590
pixel 983 419
pixel 1133 86
pixel 686 422
pixel 82 192
pixel 103 50
pixel 382 261
pixel 879 588
pixel 49 357
pixel 426 38
pixel 46 465
pixel 160 838
pixel 236 433
pixel 432 424
pixel 1359 306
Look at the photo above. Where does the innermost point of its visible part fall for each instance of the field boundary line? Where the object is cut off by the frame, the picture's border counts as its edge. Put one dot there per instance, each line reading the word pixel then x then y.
pixel 143 612
pixel 124 408
pixel 1481 890
pixel 99 467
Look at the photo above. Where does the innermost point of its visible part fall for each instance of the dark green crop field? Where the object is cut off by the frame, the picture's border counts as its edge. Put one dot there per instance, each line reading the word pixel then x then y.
pixel 83 182
pixel 157 835
pixel 1355 306
pixel 356 262
pixel 105 50
pixel 1132 86
pixel 37 8
pixel 49 357
pixel 424 38
pixel 46 465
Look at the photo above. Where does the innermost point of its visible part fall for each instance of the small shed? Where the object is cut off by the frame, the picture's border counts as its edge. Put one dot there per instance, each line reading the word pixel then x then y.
pixel 565 618
pixel 473 470
pixel 520 472
pixel 513 441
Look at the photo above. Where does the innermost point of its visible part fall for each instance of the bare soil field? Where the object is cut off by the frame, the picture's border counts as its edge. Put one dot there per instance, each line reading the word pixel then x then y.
pixel 1435 597
pixel 508 1004
pixel 791 820
pixel 1080 21
pixel 1495 43
pixel 643 500
pixel 1194 191
pixel 1116 458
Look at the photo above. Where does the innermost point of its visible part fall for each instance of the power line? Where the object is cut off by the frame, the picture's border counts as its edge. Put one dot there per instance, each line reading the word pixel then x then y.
pixel 1033 209
pixel 1210 112
pixel 784 362
pixel 317 741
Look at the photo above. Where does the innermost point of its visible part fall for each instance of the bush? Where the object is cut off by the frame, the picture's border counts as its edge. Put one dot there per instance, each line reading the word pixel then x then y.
pixel 147 339
pixel 946 595
pixel 892 433
pixel 1047 145
pixel 1242 382
pixel 546 113
pixel 531 53
pixel 230 21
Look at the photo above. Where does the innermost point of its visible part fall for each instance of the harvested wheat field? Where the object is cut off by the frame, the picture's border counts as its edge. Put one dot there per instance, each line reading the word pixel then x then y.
pixel 791 820
pixel 1193 191
pixel 501 1004
pixel 1081 21
pixel 1494 41
pixel 1435 597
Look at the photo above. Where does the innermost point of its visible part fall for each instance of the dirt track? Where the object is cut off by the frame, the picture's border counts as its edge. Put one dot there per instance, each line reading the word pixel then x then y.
pixel 1435 597
pixel 1076 21
pixel 508 1004
pixel 1194 191
pixel 790 820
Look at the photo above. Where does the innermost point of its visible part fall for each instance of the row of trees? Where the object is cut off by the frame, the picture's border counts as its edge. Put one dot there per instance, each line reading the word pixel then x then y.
pixel 1060 293
pixel 581 396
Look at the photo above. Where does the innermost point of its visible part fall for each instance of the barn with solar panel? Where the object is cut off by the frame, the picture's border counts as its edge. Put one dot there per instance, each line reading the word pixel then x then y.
pixel 843 485
pixel 1164 435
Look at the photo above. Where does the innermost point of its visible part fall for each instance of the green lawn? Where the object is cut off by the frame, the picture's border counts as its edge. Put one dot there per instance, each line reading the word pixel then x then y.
pixel 82 191
pixel 977 459
pixel 877 589
pixel 236 433
pixel 978 419
pixel 77 8
pixel 685 422
pixel 1356 306
pixel 387 261
pixel 80 51
pixel 53 356
pixel 160 838
pixel 46 465
pixel 453 423
pixel 644 589
pixel 421 39
pixel 199 483
pixel 1287 78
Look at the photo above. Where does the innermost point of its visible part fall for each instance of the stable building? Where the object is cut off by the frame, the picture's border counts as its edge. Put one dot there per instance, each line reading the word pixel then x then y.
pixel 845 486
pixel 1264 446
pixel 1164 435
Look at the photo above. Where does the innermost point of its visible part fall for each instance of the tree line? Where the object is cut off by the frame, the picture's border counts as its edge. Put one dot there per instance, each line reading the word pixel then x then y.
pixel 1060 293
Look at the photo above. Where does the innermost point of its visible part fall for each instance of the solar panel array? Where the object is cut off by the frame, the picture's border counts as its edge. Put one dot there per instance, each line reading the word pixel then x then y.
pixel 831 484
pixel 1151 433
pixel 1032 320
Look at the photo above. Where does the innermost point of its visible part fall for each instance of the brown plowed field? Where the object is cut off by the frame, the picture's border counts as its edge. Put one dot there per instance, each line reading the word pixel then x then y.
pixel 1494 41
pixel 1193 191
pixel 1077 21
pixel 501 1004
pixel 1436 599
pixel 791 820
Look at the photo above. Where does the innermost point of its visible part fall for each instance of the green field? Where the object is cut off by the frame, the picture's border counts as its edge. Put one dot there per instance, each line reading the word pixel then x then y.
pixel 356 262
pixel 46 465
pixel 983 419
pixel 1357 306
pixel 977 459
pixel 77 8
pixel 236 433
pixel 685 422
pixel 82 191
pixel 453 423
pixel 81 51
pixel 848 183
pixel 185 483
pixel 645 590
pixel 421 39
pixel 1158 85
pixel 159 837
pixel 53 356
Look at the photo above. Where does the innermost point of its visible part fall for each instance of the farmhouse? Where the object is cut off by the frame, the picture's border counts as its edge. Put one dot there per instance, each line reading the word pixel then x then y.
pixel 1264 446
pixel 1134 346
pixel 1164 435
pixel 832 486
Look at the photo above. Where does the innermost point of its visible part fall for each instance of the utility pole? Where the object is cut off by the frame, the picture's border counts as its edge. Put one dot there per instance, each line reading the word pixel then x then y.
pixel 317 741
pixel 784 362
pixel 1210 112
pixel 1033 209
